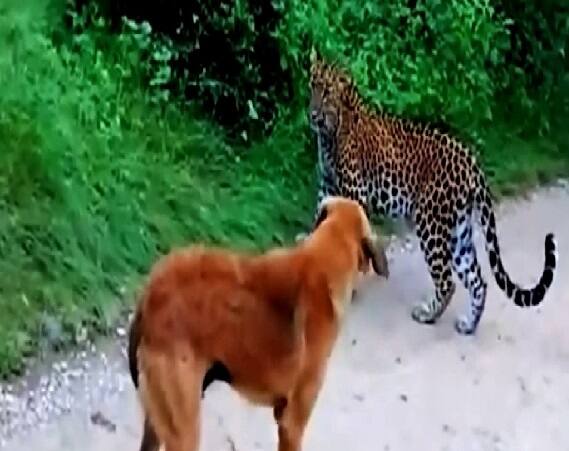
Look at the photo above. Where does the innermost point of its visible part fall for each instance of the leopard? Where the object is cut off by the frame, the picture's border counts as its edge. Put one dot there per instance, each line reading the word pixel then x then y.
pixel 418 171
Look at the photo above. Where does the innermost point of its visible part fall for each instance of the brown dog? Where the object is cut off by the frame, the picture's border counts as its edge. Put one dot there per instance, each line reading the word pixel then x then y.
pixel 265 324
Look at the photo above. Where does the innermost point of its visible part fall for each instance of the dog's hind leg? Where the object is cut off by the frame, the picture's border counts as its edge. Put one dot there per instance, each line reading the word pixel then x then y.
pixel 150 440
pixel 171 394
pixel 292 415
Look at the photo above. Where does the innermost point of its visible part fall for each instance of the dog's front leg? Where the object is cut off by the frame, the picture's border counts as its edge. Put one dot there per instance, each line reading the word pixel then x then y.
pixel 292 414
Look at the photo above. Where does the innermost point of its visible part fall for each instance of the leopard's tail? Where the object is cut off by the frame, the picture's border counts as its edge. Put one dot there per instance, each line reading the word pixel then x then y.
pixel 522 297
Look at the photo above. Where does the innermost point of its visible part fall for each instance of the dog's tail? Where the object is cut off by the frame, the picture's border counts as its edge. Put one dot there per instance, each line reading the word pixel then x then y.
pixel 150 441
pixel 133 342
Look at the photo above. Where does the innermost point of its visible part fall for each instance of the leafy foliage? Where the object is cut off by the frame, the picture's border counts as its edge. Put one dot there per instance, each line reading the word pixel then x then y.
pixel 222 54
pixel 444 60
pixel 421 58
pixel 535 75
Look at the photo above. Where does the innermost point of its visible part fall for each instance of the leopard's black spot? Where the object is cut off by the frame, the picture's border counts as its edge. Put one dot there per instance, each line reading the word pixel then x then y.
pixel 492 257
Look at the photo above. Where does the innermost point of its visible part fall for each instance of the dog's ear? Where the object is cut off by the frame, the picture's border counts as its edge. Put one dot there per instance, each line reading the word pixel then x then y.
pixel 375 251
pixel 322 215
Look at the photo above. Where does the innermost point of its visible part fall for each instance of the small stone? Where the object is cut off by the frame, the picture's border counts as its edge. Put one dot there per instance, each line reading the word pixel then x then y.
pixel 359 397
pixel 522 384
pixel 100 420
pixel 121 332
pixel 403 397
pixel 81 335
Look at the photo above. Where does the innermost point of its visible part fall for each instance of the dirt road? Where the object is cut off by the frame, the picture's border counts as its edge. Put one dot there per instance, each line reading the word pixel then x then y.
pixel 393 384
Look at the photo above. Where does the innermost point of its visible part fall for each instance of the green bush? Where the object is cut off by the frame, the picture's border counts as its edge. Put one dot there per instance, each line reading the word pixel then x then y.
pixel 221 54
pixel 534 78
pixel 450 61
pixel 426 58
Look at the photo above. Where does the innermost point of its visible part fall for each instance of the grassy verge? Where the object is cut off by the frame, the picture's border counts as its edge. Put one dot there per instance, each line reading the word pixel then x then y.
pixel 95 181
pixel 515 165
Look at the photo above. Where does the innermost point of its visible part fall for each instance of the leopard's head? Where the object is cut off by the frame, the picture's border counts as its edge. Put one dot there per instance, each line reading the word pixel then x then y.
pixel 332 91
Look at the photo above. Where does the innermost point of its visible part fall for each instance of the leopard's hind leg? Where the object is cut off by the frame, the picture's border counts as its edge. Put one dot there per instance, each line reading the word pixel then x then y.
pixel 433 230
pixel 466 265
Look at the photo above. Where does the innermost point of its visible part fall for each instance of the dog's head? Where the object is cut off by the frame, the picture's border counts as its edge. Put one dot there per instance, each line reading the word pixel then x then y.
pixel 353 218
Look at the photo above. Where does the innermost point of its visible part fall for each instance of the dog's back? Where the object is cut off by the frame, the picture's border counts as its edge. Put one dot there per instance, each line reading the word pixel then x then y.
pixel 232 308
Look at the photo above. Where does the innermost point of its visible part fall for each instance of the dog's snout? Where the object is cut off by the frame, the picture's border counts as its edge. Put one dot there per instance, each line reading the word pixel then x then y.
pixel 313 115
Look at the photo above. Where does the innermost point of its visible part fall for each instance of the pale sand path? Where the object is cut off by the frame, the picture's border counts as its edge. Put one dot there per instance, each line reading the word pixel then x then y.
pixel 397 385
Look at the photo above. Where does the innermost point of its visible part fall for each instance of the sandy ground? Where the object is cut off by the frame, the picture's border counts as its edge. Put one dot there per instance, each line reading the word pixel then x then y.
pixel 392 385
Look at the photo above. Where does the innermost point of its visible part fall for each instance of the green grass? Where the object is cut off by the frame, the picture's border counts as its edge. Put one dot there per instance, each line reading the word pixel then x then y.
pixel 515 165
pixel 96 181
